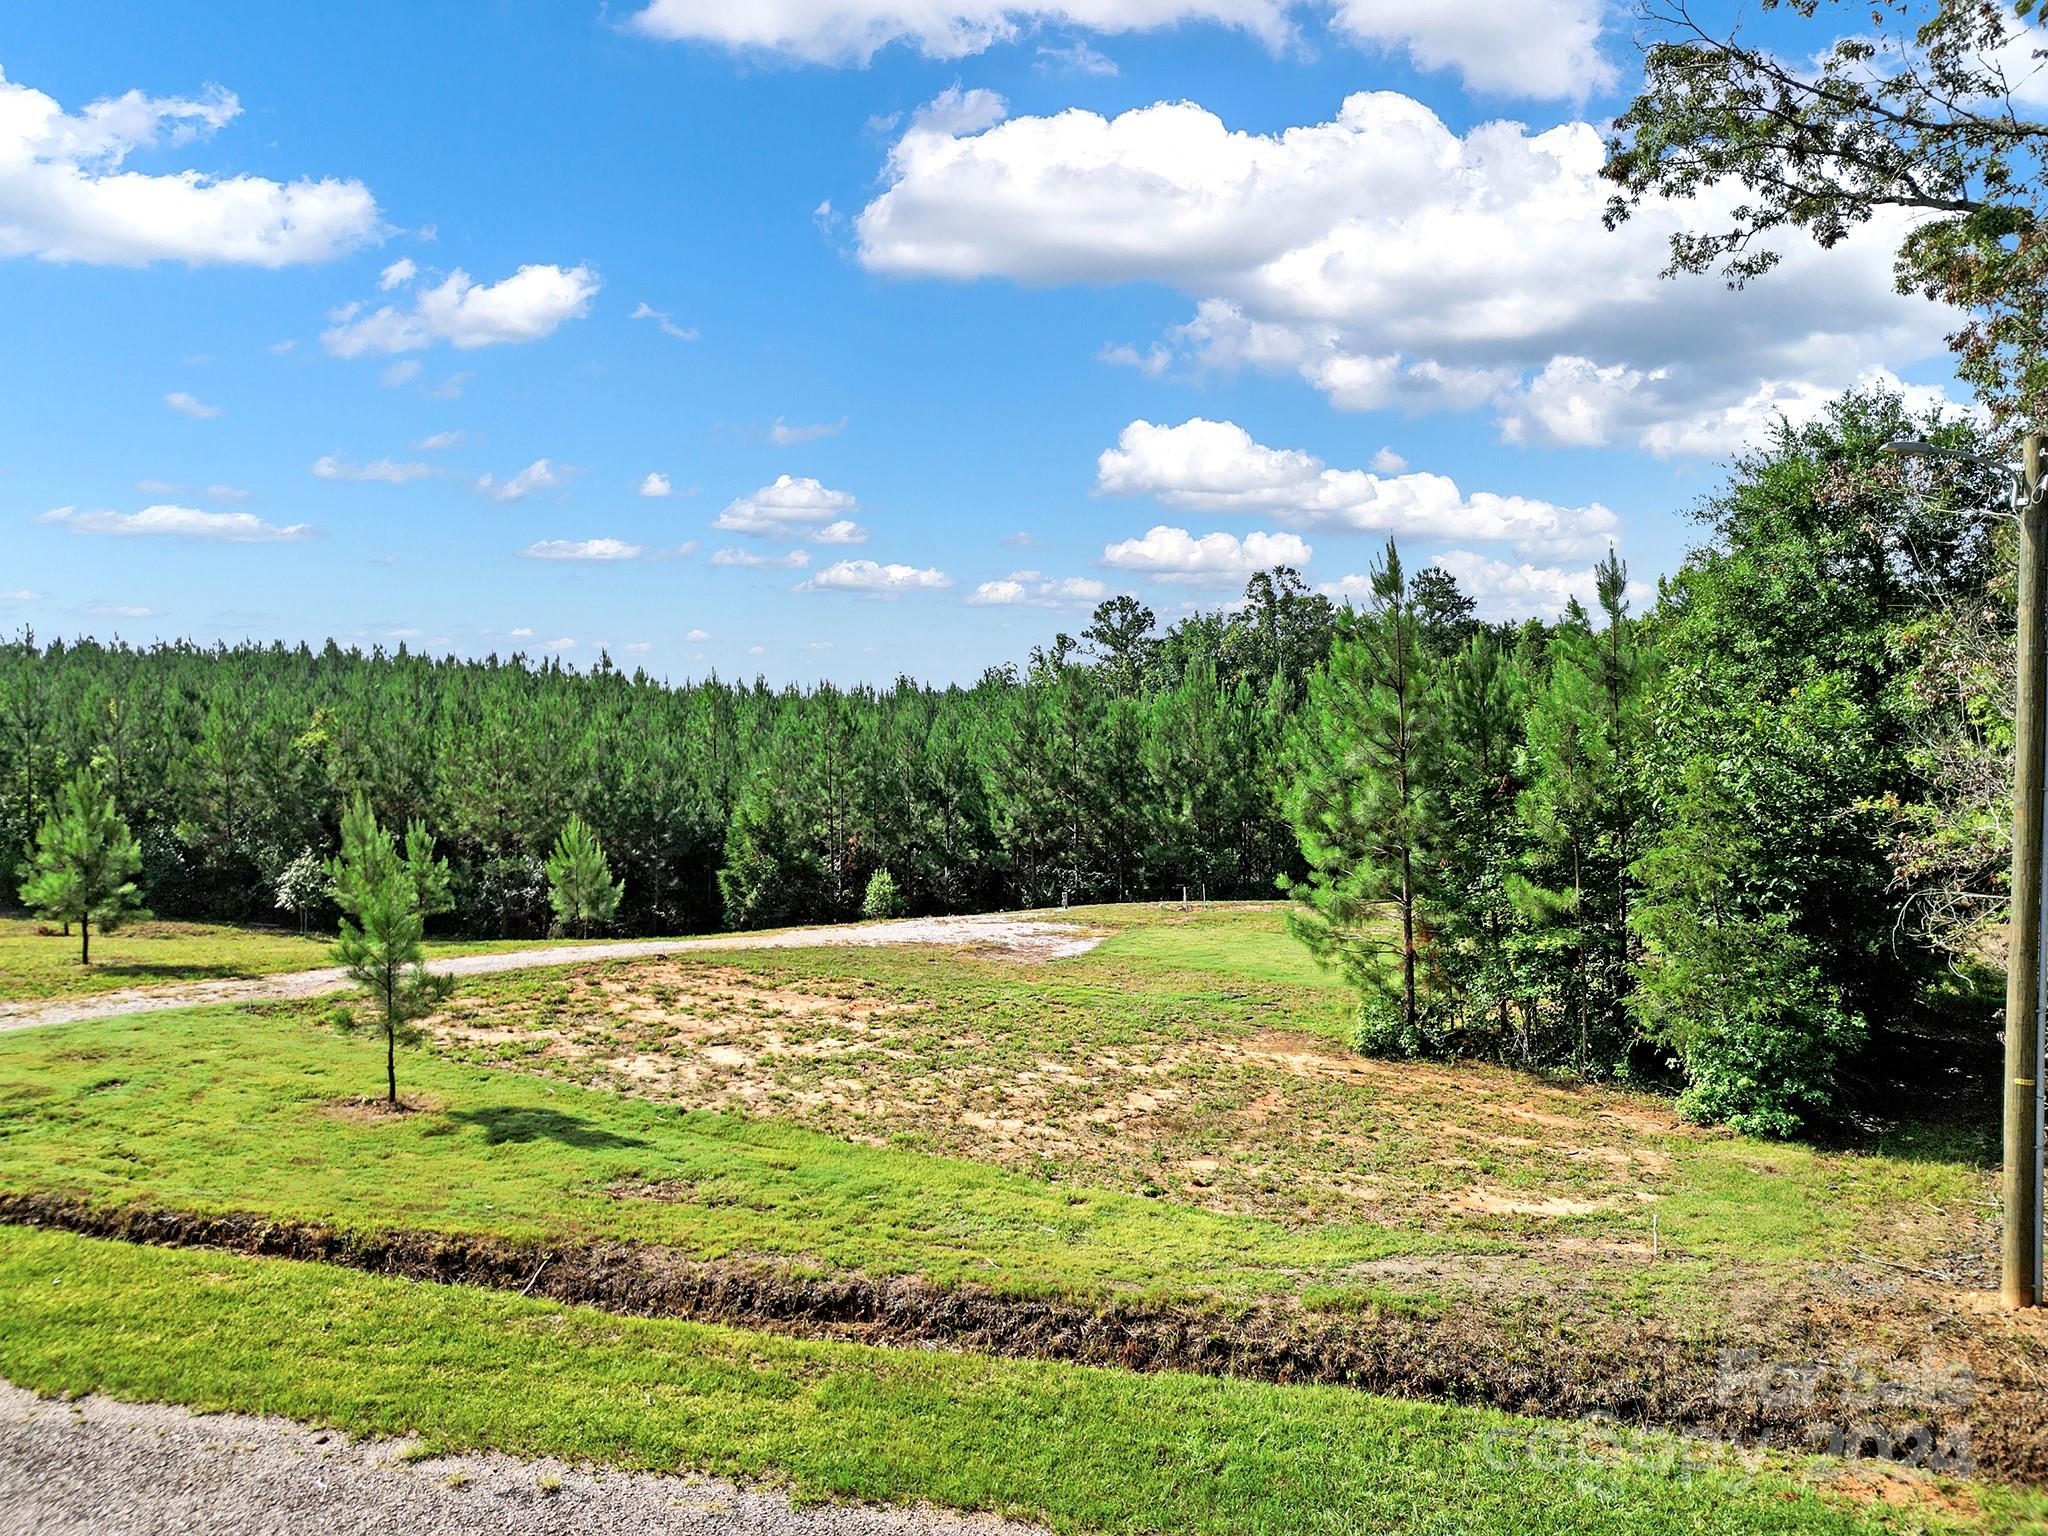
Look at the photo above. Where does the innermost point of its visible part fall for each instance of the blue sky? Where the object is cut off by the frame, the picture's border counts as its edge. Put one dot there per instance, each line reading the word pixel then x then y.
pixel 916 246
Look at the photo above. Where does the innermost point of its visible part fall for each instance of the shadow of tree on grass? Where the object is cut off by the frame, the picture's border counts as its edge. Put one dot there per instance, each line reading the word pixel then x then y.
pixel 517 1124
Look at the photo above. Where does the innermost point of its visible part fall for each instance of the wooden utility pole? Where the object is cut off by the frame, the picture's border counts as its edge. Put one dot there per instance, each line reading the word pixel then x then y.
pixel 2020 1281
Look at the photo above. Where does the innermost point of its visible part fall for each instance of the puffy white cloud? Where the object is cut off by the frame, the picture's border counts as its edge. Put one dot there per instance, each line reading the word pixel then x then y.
pixel 174 522
pixel 582 549
pixel 853 31
pixel 784 433
pixel 793 560
pixel 66 196
pixel 1217 467
pixel 532 303
pixel 698 635
pixel 1393 263
pixel 331 466
pixel 190 406
pixel 399 273
pixel 788 509
pixel 876 580
pixel 1174 554
pixel 1030 588
pixel 1388 462
pixel 845 531
pixel 1548 48
pixel 1541 48
pixel 656 484
pixel 540 475
pixel 667 326
pixel 1572 400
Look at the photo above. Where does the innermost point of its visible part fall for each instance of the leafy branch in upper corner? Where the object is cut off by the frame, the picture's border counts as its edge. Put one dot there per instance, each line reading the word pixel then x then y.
pixel 1911 107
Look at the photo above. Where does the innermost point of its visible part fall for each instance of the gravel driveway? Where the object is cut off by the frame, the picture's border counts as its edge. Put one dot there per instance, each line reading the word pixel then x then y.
pixel 122 1469
pixel 1028 938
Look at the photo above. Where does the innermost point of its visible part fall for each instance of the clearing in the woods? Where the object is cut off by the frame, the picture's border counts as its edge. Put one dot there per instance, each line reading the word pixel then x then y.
pixel 1159 1154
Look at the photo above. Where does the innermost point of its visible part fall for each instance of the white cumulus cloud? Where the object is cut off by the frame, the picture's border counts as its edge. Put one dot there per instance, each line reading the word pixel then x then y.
pixel 656 484
pixel 1030 588
pixel 66 194
pixel 1391 262
pixel 853 31
pixel 1547 48
pixel 1217 467
pixel 874 579
pixel 532 303
pixel 167 521
pixel 1174 554
pixel 789 508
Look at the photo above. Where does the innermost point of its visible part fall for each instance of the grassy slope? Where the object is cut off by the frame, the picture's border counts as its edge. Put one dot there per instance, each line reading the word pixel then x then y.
pixel 35 965
pixel 228 1109
pixel 223 1109
pixel 1082 1449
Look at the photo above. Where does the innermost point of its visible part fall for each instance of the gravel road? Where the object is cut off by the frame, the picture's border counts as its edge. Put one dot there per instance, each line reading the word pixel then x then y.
pixel 1028 938
pixel 123 1469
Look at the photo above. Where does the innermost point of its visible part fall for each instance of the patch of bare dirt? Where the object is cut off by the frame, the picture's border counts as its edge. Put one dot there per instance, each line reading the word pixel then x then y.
pixel 370 1111
pixel 1269 1123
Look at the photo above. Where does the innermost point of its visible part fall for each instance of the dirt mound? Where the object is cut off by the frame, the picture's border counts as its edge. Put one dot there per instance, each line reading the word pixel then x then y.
pixel 1941 1413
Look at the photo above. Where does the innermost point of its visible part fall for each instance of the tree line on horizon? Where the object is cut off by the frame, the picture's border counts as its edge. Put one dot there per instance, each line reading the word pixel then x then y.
pixel 1743 842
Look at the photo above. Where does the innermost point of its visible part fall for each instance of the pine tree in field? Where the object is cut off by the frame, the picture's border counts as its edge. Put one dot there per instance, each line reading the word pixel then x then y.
pixel 1365 763
pixel 84 864
pixel 580 884
pixel 1482 709
pixel 1579 812
pixel 386 898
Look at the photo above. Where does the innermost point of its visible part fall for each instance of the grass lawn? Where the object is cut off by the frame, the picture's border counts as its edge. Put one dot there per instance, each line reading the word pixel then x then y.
pixel 1159 1115
pixel 1083 1450
pixel 36 965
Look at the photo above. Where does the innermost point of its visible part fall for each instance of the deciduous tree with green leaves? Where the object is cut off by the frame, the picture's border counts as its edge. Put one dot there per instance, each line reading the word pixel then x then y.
pixel 84 865
pixel 1906 107
pixel 580 884
pixel 386 898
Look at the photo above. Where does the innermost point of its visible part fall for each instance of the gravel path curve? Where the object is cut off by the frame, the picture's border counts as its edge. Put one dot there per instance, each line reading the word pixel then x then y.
pixel 1028 938
pixel 124 1469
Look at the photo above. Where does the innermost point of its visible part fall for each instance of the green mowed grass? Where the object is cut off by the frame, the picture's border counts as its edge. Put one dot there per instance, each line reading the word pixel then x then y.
pixel 247 1110
pixel 229 1110
pixel 1082 1449
pixel 36 965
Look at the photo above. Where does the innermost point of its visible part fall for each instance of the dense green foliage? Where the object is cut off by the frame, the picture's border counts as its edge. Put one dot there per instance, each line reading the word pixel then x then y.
pixel 84 864
pixel 1127 763
pixel 385 898
pixel 1680 845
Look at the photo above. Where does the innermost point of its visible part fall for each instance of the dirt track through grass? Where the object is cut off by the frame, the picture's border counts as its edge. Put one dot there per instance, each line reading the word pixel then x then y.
pixel 1025 936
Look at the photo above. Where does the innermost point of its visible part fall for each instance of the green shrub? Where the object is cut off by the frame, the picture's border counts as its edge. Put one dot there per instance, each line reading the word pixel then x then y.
pixel 882 898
